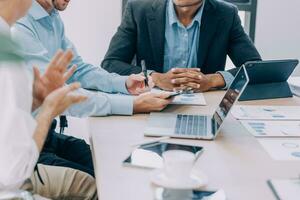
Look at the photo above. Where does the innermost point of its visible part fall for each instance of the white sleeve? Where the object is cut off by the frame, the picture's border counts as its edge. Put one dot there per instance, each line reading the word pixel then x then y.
pixel 18 151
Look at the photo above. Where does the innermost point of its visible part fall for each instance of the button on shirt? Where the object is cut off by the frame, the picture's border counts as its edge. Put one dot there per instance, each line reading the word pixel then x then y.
pixel 18 151
pixel 41 35
pixel 182 43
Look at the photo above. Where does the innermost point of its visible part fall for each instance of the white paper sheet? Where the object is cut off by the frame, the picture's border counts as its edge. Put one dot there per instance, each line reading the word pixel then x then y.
pixel 266 112
pixel 282 149
pixel 295 85
pixel 195 99
pixel 287 189
pixel 272 128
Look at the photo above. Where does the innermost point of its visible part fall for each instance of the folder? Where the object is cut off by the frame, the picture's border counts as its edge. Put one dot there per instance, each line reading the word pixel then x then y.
pixel 268 79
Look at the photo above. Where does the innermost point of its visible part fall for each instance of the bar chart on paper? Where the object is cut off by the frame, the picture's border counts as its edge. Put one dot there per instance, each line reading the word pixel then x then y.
pixel 266 112
pixel 273 128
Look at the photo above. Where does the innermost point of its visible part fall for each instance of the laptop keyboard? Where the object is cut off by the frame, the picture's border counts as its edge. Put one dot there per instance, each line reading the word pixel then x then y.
pixel 191 125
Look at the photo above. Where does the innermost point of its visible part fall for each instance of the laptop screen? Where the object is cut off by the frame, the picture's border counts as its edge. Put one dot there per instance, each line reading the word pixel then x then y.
pixel 233 93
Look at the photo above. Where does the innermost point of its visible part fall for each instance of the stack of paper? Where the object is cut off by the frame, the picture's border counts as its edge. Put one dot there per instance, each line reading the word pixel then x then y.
pixel 277 127
pixel 269 121
pixel 273 128
pixel 195 99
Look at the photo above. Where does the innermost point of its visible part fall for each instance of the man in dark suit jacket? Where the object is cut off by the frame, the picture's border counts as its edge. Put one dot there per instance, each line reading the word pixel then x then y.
pixel 183 42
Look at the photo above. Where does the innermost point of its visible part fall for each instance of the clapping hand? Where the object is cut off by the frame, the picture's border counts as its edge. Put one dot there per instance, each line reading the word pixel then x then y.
pixel 55 76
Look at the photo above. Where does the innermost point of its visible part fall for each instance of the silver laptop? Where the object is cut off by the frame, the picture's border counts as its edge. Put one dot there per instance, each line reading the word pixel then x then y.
pixel 198 126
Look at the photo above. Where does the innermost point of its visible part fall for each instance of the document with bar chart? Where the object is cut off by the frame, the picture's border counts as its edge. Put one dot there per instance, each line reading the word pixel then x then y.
pixel 266 112
pixel 286 129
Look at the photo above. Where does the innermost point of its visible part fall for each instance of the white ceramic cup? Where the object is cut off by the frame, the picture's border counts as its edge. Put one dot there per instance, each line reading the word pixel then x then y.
pixel 178 164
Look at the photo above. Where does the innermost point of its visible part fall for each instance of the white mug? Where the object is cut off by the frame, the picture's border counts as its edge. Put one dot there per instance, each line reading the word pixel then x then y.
pixel 178 164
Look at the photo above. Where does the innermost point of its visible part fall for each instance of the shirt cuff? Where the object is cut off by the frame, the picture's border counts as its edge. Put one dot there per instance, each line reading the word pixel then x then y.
pixel 101 104
pixel 228 78
pixel 121 104
pixel 119 84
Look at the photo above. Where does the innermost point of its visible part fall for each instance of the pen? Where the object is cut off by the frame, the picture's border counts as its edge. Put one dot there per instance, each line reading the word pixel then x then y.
pixel 144 70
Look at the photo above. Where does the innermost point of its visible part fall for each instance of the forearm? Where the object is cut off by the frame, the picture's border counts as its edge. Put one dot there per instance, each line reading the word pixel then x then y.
pixel 216 80
pixel 96 78
pixel 44 121
pixel 101 104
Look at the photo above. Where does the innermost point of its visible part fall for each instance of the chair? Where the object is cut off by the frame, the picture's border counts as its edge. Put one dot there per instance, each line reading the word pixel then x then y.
pixel 250 7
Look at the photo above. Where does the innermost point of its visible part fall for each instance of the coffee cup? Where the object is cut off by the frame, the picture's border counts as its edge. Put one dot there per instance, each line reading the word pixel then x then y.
pixel 178 164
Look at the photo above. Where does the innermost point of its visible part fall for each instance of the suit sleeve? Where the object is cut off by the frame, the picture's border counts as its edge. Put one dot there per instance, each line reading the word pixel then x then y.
pixel 241 49
pixel 122 47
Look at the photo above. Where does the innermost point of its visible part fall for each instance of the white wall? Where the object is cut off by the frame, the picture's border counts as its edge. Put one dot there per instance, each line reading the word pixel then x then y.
pixel 278 29
pixel 90 24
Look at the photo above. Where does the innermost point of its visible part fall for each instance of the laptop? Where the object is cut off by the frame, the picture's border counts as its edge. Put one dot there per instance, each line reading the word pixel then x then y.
pixel 198 126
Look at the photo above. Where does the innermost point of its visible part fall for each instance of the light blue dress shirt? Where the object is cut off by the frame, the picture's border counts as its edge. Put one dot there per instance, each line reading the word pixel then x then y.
pixel 182 43
pixel 41 35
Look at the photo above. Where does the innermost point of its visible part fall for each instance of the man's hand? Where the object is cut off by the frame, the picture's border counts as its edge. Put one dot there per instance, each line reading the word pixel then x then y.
pixel 149 102
pixel 198 82
pixel 135 84
pixel 59 100
pixel 54 77
pixel 167 81
pixel 183 78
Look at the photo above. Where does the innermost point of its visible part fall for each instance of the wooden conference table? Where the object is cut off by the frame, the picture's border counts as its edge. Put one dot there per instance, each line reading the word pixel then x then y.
pixel 235 161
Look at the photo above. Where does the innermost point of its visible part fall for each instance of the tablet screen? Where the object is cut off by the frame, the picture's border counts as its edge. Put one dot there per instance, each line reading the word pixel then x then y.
pixel 150 155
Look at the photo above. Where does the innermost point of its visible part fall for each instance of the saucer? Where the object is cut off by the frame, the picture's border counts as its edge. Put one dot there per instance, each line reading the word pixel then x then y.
pixel 196 180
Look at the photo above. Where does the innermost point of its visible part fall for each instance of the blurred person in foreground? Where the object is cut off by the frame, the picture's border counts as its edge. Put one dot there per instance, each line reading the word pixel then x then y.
pixel 22 134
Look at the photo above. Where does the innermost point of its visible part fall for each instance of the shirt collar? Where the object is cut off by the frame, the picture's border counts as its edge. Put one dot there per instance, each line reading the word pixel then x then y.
pixel 173 17
pixel 38 12
pixel 4 27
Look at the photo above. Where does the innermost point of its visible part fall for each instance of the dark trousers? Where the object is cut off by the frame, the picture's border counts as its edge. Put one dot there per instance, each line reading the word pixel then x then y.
pixel 66 151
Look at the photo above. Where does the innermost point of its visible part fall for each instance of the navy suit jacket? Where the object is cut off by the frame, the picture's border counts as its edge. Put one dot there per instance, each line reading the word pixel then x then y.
pixel 141 36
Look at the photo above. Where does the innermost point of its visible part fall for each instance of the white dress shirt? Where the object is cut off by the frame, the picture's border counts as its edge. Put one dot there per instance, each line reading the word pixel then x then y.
pixel 41 34
pixel 18 151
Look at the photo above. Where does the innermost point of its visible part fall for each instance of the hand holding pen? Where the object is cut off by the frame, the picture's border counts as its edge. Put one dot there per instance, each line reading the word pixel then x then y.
pixel 139 83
